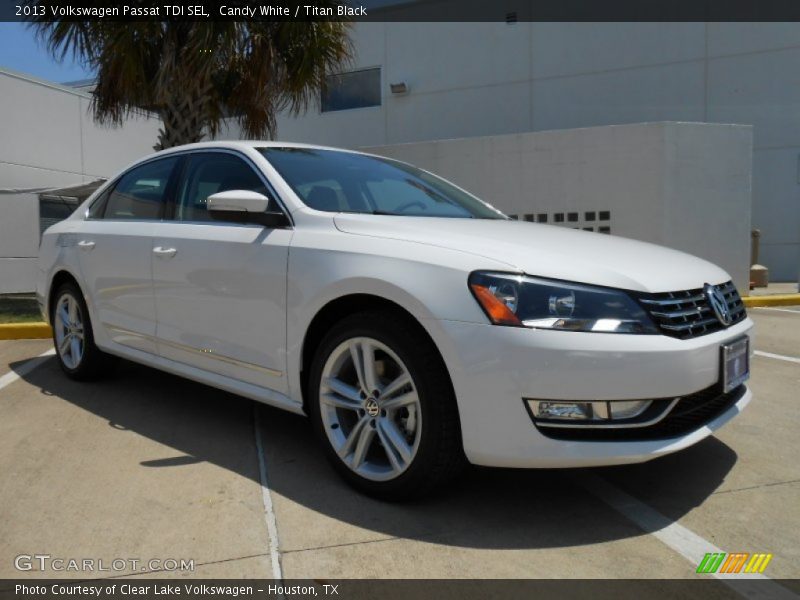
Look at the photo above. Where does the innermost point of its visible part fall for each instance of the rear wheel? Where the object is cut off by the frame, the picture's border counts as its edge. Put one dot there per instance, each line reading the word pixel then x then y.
pixel 382 404
pixel 73 336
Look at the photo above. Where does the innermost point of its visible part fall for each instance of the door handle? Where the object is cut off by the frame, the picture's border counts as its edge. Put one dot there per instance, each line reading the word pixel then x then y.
pixel 86 245
pixel 162 252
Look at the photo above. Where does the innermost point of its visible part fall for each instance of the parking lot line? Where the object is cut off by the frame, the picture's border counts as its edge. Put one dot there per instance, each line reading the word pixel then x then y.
pixel 269 512
pixel 682 540
pixel 25 368
pixel 777 356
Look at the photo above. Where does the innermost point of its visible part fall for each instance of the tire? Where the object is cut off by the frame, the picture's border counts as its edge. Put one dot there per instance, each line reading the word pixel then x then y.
pixel 73 337
pixel 359 429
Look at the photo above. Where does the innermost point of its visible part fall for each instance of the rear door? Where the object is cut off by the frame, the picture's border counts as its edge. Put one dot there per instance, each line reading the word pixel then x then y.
pixel 115 253
pixel 220 287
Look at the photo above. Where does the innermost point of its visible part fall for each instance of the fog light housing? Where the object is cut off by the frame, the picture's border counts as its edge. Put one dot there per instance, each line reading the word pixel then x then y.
pixel 627 409
pixel 556 409
pixel 597 412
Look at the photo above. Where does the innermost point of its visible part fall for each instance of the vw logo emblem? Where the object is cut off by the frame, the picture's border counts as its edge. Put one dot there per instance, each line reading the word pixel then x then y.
pixel 718 304
pixel 372 407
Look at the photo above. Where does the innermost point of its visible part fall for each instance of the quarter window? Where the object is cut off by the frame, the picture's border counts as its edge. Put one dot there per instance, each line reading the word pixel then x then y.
pixel 142 192
pixel 208 173
pixel 356 89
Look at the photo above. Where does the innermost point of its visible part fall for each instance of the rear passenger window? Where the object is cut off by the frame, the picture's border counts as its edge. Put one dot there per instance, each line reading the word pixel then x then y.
pixel 98 206
pixel 141 192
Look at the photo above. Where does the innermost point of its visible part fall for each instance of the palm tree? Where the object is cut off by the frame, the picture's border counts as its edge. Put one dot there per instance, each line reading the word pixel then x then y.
pixel 194 75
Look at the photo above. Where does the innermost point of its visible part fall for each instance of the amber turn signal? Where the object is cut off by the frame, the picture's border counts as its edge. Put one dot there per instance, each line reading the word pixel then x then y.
pixel 495 309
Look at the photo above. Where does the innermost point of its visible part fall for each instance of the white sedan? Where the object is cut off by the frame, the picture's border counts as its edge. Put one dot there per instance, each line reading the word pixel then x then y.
pixel 417 326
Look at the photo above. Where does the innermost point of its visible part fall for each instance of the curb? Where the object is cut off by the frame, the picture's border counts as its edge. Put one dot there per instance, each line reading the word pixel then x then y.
pixel 25 331
pixel 774 300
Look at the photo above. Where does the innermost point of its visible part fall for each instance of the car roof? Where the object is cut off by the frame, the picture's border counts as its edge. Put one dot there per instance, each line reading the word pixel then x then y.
pixel 239 144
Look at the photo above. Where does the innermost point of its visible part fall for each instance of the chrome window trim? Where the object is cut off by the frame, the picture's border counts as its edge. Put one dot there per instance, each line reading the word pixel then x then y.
pixel 179 154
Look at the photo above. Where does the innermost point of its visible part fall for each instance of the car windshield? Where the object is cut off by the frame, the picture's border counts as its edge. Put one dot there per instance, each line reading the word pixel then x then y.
pixel 335 181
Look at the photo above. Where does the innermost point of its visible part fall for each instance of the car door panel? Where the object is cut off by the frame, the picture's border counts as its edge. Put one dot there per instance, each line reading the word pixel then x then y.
pixel 220 290
pixel 116 272
pixel 114 252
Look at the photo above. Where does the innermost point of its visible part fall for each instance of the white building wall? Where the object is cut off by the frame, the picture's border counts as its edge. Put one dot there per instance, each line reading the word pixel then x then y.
pixel 477 79
pixel 50 140
pixel 681 185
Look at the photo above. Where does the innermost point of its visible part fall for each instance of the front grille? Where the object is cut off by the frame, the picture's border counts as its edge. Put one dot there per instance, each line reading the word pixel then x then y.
pixel 689 414
pixel 687 314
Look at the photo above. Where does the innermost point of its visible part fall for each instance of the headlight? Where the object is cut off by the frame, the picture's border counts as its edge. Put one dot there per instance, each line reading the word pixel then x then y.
pixel 520 301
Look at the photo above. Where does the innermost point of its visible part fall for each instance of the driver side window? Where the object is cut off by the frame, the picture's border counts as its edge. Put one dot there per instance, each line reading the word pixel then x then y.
pixel 207 173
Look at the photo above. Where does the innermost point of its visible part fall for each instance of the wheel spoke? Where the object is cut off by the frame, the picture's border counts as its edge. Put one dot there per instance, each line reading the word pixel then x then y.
pixel 64 344
pixel 75 348
pixel 400 401
pixel 364 442
pixel 358 363
pixel 73 311
pixel 387 445
pixel 370 373
pixel 339 402
pixel 343 389
pixel 397 442
pixel 64 314
pixel 398 384
pixel 351 440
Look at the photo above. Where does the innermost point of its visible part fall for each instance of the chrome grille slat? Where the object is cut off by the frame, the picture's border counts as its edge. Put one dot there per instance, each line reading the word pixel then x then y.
pixel 681 313
pixel 667 301
pixel 685 326
pixel 686 314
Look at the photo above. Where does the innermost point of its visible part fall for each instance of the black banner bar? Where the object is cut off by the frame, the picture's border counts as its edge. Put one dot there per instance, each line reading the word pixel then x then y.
pixel 407 589
pixel 406 10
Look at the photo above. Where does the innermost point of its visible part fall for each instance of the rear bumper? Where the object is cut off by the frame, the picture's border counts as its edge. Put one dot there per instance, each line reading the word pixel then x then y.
pixel 493 368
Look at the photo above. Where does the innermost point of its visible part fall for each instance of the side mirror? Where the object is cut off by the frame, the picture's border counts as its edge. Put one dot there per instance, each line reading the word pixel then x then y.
pixel 244 206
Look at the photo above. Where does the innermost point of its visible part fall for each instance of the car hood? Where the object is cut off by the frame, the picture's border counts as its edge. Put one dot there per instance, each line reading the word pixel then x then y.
pixel 548 251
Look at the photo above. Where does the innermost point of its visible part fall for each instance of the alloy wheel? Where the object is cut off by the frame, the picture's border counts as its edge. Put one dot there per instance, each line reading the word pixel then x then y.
pixel 68 326
pixel 370 409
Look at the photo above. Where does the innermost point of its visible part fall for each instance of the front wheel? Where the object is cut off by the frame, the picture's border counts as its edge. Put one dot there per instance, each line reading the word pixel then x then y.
pixel 383 406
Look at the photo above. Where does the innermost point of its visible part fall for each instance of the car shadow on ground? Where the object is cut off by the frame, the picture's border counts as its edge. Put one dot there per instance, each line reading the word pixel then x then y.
pixel 485 508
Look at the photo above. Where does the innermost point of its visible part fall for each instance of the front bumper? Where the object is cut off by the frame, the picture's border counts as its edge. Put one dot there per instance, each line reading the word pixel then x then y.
pixel 493 368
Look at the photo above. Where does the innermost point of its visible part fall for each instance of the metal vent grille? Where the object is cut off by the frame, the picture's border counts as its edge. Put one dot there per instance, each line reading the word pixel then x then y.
pixel 687 314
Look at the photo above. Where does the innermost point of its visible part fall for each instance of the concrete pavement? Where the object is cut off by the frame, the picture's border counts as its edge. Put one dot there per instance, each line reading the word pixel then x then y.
pixel 146 465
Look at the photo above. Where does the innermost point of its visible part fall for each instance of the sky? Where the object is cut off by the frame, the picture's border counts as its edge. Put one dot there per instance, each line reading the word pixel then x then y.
pixel 20 51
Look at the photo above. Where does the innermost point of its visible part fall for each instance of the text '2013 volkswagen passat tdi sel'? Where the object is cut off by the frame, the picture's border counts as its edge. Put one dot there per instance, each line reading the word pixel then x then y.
pixel 417 326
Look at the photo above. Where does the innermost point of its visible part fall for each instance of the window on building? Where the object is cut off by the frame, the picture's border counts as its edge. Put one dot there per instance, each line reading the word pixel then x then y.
pixel 141 192
pixel 355 89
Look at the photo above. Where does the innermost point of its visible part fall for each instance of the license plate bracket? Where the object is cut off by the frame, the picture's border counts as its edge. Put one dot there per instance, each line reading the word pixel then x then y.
pixel 735 363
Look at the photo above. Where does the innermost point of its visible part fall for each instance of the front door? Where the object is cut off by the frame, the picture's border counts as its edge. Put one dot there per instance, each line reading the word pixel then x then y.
pixel 220 288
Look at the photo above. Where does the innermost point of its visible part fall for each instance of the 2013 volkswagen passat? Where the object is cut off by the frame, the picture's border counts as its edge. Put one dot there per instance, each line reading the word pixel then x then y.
pixel 417 326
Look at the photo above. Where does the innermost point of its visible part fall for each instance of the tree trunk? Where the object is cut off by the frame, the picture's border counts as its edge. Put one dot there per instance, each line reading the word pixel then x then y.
pixel 184 116
pixel 180 126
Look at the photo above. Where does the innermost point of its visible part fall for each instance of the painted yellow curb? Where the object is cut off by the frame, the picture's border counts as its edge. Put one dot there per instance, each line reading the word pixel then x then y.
pixel 773 300
pixel 25 331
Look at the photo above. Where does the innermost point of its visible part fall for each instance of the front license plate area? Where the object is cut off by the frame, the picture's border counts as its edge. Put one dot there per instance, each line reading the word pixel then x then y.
pixel 735 363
